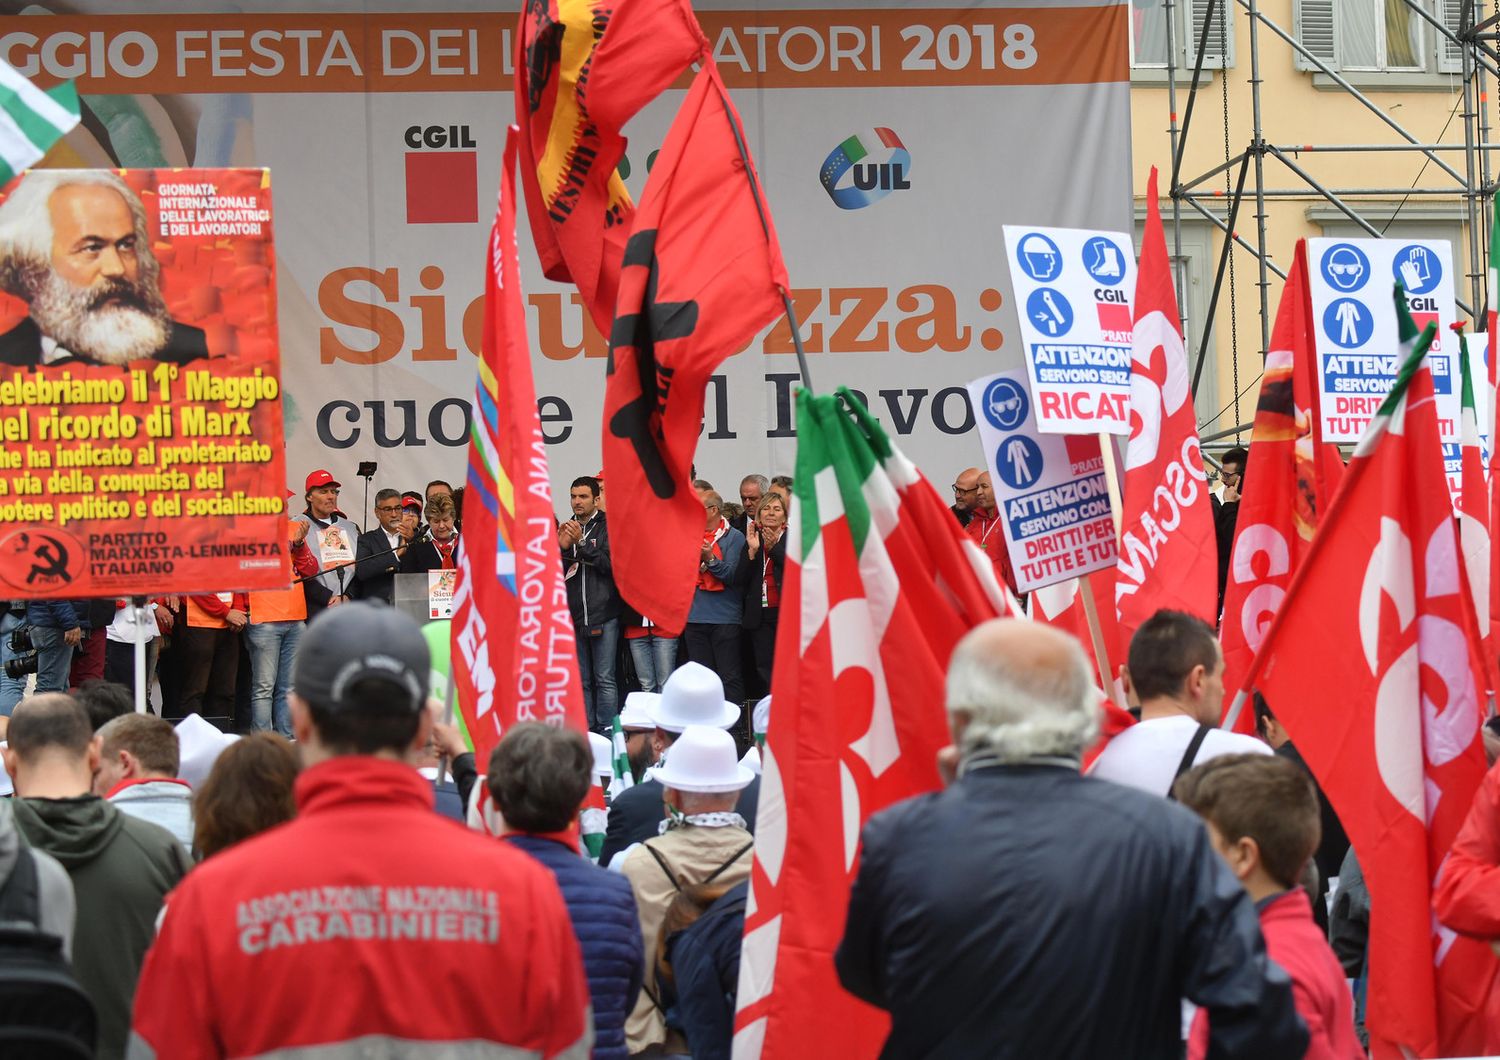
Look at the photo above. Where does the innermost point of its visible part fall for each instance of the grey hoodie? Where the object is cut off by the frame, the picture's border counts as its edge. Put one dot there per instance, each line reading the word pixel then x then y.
pixel 54 889
pixel 122 868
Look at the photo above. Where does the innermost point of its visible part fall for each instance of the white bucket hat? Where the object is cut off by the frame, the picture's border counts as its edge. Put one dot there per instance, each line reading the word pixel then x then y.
pixel 703 760
pixel 751 761
pixel 760 717
pixel 693 695
pixel 199 744
pixel 604 755
pixel 638 709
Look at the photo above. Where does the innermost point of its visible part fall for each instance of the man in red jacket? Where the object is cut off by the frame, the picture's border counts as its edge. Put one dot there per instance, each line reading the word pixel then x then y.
pixel 368 924
pixel 984 527
pixel 1263 819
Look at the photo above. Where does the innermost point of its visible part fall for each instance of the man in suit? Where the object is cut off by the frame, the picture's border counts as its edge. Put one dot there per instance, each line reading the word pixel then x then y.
pixel 75 246
pixel 693 695
pixel 375 564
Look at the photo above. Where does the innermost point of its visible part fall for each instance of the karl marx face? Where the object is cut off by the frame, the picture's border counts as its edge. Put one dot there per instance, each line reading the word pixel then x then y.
pixel 99 298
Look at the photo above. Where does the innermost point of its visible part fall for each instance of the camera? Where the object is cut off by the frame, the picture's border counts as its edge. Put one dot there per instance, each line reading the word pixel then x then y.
pixel 18 666
pixel 20 640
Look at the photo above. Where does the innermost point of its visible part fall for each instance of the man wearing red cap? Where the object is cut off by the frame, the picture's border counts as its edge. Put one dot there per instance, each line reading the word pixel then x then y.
pixel 332 538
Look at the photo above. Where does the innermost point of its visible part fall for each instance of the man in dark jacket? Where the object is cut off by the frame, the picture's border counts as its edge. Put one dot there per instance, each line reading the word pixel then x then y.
pixel 693 695
pixel 705 962
pixel 1028 910
pixel 593 600
pixel 378 552
pixel 121 867
pixel 539 776
pixel 56 630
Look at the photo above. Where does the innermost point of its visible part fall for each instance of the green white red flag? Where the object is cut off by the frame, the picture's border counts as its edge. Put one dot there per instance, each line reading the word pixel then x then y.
pixel 1492 322
pixel 1289 478
pixel 1373 666
pixel 1169 556
pixel 1474 508
pixel 514 655
pixel 881 582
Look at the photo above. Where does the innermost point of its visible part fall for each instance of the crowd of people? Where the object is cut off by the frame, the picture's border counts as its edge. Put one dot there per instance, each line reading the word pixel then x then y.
pixel 183 886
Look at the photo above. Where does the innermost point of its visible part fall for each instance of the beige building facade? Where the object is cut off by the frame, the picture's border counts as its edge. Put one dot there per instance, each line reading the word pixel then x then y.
pixel 1411 77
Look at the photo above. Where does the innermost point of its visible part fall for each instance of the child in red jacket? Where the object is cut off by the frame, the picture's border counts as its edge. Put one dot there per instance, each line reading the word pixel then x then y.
pixel 1262 817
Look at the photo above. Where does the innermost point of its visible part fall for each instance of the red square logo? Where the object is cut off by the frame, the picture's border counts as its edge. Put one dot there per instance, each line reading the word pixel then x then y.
pixel 1083 453
pixel 1113 316
pixel 1421 320
pixel 442 187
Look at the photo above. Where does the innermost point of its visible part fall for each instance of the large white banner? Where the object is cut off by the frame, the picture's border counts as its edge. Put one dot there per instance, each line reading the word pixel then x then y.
pixel 383 128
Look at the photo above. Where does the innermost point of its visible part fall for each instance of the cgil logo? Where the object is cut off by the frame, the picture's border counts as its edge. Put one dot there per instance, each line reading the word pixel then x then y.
pixel 442 175
pixel 854 178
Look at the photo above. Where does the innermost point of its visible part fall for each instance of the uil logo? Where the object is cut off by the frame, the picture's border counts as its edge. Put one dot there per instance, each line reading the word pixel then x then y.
pixel 866 168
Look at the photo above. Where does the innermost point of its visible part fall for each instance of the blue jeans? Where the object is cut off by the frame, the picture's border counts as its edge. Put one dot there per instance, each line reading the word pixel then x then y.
pixel 655 659
pixel 11 689
pixel 272 646
pixel 53 659
pixel 596 669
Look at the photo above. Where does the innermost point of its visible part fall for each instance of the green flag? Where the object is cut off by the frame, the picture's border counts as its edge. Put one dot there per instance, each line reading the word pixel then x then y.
pixel 31 120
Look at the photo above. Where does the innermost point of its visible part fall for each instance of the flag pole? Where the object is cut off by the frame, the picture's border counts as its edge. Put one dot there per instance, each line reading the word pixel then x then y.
pixel 1096 634
pixel 760 209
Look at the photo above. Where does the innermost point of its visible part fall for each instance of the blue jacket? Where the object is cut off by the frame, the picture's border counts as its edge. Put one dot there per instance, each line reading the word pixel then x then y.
pixel 52 614
pixel 723 607
pixel 706 969
pixel 602 907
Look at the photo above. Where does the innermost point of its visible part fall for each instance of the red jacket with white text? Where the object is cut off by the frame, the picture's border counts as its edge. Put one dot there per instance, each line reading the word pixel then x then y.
pixel 369 923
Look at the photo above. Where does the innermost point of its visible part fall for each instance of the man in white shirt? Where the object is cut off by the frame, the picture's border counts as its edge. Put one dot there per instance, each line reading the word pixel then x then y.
pixel 1177 672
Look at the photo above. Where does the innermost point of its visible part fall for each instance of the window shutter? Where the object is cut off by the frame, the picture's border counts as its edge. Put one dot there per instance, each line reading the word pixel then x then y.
pixel 1314 24
pixel 1215 57
pixel 1449 53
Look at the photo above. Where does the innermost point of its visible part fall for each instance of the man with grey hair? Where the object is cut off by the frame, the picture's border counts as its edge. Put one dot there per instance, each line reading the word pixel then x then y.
pixel 75 246
pixel 1027 910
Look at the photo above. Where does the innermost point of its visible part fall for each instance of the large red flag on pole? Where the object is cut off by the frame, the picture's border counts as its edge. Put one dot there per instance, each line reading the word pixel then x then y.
pixel 583 69
pixel 881 583
pixel 1289 478
pixel 513 653
pixel 1372 665
pixel 702 274
pixel 1168 554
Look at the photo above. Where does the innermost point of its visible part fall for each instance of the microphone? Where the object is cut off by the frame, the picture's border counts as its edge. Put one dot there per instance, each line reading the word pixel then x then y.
pixel 422 533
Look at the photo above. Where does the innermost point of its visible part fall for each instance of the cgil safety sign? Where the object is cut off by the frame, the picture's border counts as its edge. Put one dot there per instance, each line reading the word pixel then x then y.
pixel 1073 290
pixel 1354 321
pixel 1050 489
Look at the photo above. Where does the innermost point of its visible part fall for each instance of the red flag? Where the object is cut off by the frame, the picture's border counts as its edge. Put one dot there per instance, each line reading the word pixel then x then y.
pixel 510 662
pixel 583 69
pixel 881 583
pixel 702 274
pixel 1372 667
pixel 1289 478
pixel 1168 555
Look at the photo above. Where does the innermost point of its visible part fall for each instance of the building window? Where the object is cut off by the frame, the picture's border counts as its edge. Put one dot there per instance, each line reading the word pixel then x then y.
pixel 1194 272
pixel 1377 36
pixel 1148 34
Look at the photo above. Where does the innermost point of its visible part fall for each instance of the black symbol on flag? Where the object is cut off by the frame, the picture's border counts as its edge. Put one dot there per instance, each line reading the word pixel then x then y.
pixel 639 420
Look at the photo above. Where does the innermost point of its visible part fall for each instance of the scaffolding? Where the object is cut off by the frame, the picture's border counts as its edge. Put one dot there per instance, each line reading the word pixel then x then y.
pixel 1464 166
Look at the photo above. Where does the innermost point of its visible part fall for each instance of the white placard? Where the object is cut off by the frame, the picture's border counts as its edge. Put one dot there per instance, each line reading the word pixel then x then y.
pixel 1354 321
pixel 440 586
pixel 1050 489
pixel 1073 289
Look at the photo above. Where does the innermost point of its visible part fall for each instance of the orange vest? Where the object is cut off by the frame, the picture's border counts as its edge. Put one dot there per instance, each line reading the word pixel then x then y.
pixel 278 605
pixel 200 618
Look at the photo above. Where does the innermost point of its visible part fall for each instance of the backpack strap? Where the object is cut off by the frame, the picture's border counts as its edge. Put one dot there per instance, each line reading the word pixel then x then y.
pixel 1188 756
pixel 732 859
pixel 20 898
pixel 665 868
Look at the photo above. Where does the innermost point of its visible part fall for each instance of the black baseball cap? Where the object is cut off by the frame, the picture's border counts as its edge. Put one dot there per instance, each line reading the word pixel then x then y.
pixel 360 641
